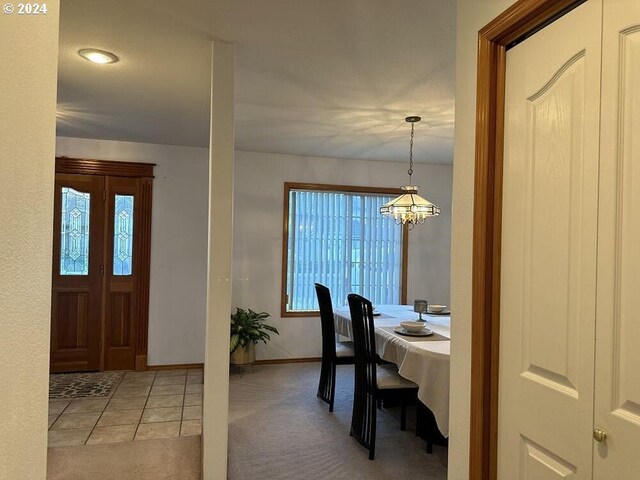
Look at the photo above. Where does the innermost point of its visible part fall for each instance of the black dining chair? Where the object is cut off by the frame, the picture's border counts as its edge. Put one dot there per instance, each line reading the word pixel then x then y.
pixel 333 352
pixel 373 382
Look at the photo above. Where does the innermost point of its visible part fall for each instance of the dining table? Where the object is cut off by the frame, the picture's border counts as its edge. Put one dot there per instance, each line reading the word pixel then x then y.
pixel 423 360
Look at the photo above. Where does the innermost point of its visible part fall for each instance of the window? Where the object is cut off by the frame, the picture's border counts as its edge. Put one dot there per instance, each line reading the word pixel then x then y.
pixel 336 236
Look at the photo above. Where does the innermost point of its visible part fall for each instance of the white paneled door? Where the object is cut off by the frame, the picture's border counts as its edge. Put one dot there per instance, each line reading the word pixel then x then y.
pixel 617 392
pixel 549 239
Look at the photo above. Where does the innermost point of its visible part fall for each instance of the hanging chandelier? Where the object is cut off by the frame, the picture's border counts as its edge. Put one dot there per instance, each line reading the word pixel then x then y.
pixel 410 208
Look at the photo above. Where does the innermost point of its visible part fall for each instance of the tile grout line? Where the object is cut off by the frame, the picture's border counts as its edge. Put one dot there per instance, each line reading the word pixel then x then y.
pixel 169 394
pixel 135 434
pixel 109 397
pixel 62 411
pixel 184 397
pixel 201 405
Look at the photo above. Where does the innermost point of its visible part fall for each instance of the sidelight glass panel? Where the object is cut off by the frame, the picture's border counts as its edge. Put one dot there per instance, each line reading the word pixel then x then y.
pixel 123 235
pixel 74 241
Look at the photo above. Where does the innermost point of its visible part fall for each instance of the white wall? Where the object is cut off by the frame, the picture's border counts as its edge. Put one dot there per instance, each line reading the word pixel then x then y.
pixel 179 238
pixel 177 298
pixel 472 15
pixel 29 53
pixel 259 182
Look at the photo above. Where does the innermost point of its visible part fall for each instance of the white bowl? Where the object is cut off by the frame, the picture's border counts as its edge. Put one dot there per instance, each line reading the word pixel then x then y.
pixel 436 308
pixel 413 327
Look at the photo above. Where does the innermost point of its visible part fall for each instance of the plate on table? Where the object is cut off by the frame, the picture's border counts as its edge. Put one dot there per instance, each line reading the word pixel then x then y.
pixel 422 333
pixel 445 312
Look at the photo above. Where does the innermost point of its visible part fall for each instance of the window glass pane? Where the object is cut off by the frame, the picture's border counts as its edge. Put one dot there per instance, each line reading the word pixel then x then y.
pixel 341 240
pixel 123 235
pixel 74 232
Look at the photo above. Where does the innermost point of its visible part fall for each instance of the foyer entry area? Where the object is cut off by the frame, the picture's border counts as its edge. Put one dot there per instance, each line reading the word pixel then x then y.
pixel 142 406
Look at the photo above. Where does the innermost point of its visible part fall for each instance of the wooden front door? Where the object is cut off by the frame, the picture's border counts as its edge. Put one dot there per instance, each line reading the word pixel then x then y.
pixel 78 249
pixel 101 251
pixel 122 274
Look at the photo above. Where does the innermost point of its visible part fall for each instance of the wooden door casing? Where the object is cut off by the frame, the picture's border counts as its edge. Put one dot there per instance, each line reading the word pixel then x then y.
pixel 122 312
pixel 76 301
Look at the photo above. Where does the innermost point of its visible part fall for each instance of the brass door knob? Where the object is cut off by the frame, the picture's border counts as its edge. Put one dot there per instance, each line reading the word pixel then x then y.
pixel 599 435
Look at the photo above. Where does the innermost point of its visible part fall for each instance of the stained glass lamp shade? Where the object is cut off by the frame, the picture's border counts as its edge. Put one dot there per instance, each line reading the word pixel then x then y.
pixel 410 207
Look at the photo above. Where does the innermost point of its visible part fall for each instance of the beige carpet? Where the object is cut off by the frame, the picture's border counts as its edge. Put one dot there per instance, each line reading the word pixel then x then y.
pixel 280 430
pixel 176 458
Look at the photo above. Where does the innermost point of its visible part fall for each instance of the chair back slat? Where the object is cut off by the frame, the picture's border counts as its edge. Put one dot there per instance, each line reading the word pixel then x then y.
pixel 363 419
pixel 326 320
pixel 364 339
pixel 327 384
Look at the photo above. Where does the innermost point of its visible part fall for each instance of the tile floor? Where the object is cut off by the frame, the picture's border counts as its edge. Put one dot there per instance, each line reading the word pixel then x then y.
pixel 145 405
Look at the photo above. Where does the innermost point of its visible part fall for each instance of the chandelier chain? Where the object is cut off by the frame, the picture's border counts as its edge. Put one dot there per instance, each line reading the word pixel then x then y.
pixel 410 171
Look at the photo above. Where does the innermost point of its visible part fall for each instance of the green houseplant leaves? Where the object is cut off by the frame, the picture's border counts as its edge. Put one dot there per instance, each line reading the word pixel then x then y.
pixel 248 326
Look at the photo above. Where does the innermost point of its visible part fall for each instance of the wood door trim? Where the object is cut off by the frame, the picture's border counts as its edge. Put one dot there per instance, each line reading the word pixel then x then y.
pixel 144 272
pixel 85 166
pixel 518 22
pixel 175 366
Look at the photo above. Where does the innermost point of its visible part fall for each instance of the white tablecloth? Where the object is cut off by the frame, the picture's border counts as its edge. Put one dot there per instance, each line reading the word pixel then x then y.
pixel 423 362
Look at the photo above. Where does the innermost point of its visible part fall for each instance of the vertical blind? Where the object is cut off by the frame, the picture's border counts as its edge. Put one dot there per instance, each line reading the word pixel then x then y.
pixel 340 239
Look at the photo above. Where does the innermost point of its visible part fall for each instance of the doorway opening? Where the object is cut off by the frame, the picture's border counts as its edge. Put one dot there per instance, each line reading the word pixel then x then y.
pixel 101 265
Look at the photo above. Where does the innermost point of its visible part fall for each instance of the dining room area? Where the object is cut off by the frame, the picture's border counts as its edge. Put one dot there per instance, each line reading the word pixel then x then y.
pixel 351 379
pixel 379 417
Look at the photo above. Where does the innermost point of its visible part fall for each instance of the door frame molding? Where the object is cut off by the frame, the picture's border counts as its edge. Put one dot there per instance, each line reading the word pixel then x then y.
pixel 84 166
pixel 143 171
pixel 521 20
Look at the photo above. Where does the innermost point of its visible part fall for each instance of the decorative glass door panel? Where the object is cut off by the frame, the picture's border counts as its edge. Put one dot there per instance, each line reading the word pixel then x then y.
pixel 74 232
pixel 123 235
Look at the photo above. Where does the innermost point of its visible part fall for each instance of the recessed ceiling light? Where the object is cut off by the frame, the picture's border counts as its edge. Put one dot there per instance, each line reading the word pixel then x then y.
pixel 97 56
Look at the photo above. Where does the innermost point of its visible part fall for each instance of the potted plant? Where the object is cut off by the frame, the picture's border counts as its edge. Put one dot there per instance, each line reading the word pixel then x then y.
pixel 247 329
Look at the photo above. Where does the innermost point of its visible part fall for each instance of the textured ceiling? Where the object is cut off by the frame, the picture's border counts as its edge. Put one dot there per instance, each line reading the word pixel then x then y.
pixel 324 78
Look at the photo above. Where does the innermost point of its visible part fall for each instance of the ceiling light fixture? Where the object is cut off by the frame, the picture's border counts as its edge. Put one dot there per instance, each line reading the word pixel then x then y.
pixel 410 208
pixel 97 56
